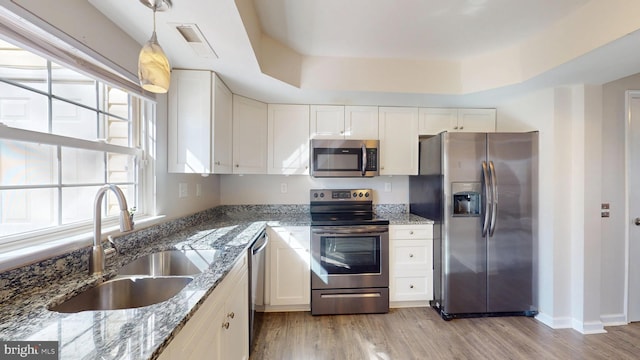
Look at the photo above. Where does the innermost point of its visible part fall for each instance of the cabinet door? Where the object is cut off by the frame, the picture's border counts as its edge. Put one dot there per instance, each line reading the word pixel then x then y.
pixel 289 256
pixel 326 122
pixel 361 122
pixel 222 128
pixel 288 139
pixel 435 120
pixel 189 122
pixel 477 120
pixel 249 136
pixel 235 339
pixel 398 129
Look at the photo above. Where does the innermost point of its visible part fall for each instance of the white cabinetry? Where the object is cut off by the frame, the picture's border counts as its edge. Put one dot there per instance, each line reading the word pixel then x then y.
pixel 288 282
pixel 344 122
pixel 219 329
pixel 398 130
pixel 249 136
pixel 410 264
pixel 288 139
pixel 436 120
pixel 199 123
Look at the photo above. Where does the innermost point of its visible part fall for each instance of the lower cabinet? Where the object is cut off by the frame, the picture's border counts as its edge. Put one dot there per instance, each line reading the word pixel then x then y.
pixel 288 280
pixel 410 265
pixel 220 328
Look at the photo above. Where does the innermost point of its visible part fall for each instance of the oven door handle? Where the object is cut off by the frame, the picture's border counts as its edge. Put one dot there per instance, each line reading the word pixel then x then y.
pixel 348 230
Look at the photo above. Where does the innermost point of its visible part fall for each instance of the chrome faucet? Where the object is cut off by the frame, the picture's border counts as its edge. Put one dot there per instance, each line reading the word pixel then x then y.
pixel 96 259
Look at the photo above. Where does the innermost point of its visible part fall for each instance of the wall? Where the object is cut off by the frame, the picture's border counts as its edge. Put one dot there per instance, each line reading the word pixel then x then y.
pixel 613 182
pixel 266 189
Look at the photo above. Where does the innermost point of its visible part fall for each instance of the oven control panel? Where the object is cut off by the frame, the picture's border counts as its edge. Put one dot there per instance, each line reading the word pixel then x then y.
pixel 329 195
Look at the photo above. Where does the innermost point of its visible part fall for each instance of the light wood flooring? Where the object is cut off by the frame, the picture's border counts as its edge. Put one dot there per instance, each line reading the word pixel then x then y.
pixel 419 333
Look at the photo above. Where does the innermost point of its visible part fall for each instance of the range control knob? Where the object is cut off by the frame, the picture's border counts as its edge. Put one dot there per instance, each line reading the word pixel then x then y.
pixel 321 195
pixel 355 194
pixel 366 194
pixel 315 195
pixel 360 195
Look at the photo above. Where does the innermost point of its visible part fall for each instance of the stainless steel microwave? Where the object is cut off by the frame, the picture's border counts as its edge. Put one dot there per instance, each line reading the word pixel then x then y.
pixel 344 158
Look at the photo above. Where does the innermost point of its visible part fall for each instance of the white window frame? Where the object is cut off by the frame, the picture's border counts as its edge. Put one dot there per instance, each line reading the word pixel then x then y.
pixel 20 249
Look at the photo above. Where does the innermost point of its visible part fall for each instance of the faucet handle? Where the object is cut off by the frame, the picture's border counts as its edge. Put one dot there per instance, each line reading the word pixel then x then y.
pixel 114 248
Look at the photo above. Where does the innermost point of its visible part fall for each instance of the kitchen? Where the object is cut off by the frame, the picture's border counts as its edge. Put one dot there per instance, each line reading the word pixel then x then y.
pixel 584 256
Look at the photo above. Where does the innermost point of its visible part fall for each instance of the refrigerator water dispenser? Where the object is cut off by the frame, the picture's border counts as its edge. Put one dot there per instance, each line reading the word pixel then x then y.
pixel 466 199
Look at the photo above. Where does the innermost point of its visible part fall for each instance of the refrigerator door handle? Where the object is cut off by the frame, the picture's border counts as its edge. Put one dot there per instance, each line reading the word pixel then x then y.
pixel 487 200
pixel 494 198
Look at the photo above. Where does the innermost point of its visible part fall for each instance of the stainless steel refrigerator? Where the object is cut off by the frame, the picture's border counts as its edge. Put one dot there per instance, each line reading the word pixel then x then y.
pixel 481 191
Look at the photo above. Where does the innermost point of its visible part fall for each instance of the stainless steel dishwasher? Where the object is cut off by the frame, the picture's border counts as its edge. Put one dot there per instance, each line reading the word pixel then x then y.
pixel 256 285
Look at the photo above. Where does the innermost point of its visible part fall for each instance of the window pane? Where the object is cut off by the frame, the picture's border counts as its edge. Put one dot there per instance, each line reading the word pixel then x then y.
pixel 121 168
pixel 74 121
pixel 115 101
pixel 27 210
pixel 71 85
pixel 27 164
pixel 23 109
pixel 77 203
pixel 81 166
pixel 113 208
pixel 117 131
pixel 22 67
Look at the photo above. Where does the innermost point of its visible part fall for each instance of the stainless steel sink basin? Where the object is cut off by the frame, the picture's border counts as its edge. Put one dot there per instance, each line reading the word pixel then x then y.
pixel 125 293
pixel 170 263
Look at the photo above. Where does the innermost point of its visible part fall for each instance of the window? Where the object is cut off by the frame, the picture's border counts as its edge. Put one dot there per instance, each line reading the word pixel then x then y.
pixel 62 136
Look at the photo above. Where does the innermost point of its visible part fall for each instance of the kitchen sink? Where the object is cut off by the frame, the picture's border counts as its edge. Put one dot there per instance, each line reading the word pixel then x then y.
pixel 124 293
pixel 170 263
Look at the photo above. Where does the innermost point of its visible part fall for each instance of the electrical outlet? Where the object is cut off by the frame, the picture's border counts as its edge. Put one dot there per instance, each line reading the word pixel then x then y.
pixel 183 190
pixel 198 190
pixel 283 188
pixel 387 187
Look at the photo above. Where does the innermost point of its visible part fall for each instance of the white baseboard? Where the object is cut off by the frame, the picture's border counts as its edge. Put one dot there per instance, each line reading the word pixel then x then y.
pixel 614 319
pixel 554 323
pixel 407 304
pixel 286 308
pixel 589 327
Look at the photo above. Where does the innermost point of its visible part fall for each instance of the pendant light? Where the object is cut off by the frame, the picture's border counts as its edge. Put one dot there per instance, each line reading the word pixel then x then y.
pixel 154 71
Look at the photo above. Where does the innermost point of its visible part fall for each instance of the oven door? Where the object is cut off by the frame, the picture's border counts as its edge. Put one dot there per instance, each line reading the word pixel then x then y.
pixel 347 257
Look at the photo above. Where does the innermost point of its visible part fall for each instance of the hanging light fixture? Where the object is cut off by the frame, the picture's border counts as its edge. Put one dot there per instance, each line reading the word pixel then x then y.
pixel 154 71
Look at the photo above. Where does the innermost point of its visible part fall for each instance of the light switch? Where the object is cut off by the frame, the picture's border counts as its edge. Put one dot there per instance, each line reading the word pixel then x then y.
pixel 183 190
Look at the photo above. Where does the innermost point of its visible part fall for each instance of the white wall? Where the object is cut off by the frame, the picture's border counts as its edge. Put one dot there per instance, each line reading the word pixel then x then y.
pixel 613 172
pixel 266 189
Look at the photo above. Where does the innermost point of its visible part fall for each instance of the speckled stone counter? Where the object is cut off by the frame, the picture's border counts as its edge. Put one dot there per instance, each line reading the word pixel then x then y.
pixel 139 333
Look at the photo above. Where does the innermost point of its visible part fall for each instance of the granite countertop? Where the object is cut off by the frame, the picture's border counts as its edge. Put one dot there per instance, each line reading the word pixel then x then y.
pixel 142 333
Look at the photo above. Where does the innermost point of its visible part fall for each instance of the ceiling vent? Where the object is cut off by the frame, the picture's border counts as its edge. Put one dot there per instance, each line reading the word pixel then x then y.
pixel 194 37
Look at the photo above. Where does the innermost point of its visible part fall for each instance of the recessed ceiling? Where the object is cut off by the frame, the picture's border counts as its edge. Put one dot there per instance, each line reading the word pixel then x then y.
pixel 409 29
pixel 395 52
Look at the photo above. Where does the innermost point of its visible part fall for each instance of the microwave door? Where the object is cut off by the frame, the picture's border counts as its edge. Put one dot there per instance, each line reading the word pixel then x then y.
pixel 364 159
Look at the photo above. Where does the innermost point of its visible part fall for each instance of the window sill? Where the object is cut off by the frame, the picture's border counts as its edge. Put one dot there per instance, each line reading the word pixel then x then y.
pixel 11 258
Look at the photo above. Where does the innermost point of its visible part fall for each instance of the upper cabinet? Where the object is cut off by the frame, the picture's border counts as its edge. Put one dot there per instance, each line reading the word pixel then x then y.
pixel 436 120
pixel 361 122
pixel 343 122
pixel 288 139
pixel 249 136
pixel 398 127
pixel 199 123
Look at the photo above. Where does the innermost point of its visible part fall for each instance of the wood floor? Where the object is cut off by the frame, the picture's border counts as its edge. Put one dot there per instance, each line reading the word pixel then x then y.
pixel 418 333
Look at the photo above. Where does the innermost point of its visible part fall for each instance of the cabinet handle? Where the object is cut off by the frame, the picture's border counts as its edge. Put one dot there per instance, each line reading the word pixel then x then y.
pixel 225 325
pixel 411 232
pixel 410 255
pixel 217 162
pixel 231 315
pixel 455 128
pixel 237 165
pixel 411 286
pixel 461 127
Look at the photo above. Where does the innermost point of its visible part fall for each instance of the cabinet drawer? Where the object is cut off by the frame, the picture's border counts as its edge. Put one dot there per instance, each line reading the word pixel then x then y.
pixel 412 288
pixel 412 232
pixel 412 255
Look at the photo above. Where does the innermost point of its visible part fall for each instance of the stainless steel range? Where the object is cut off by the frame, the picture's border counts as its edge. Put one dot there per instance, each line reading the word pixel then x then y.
pixel 349 254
